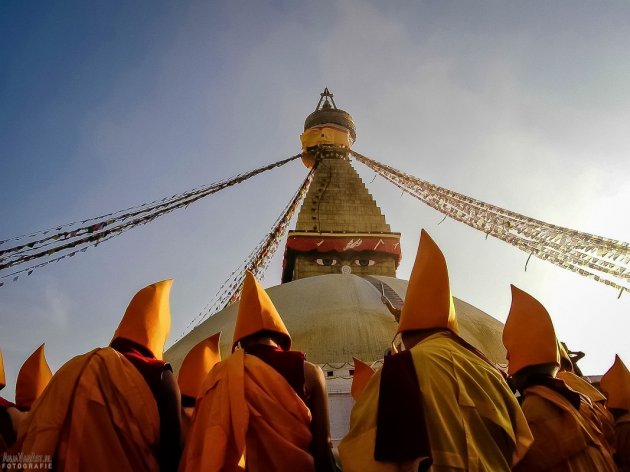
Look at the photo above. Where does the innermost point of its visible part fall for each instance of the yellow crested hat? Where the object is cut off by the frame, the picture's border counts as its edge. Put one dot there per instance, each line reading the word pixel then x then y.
pixel 428 303
pixel 32 379
pixel 362 374
pixel 615 384
pixel 147 320
pixel 3 380
pixel 256 313
pixel 528 334
pixel 198 362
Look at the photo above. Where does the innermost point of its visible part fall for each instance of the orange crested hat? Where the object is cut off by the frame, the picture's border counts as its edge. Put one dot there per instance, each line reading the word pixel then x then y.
pixel 428 303
pixel 147 320
pixel 362 374
pixel 615 384
pixel 32 379
pixel 3 380
pixel 198 362
pixel 528 334
pixel 256 313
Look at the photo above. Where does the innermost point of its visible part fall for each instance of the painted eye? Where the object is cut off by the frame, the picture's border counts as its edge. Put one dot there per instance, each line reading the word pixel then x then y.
pixel 364 262
pixel 326 261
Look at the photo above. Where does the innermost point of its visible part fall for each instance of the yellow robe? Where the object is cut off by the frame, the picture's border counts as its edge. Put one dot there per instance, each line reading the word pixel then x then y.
pixel 598 399
pixel 473 420
pixel 96 414
pixel 565 439
pixel 248 418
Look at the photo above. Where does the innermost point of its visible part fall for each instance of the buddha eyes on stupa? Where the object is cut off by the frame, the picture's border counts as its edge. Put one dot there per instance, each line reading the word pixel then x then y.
pixel 327 261
pixel 364 262
pixel 331 261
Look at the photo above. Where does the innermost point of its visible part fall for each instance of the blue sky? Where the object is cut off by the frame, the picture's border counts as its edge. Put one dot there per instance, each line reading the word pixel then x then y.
pixel 108 104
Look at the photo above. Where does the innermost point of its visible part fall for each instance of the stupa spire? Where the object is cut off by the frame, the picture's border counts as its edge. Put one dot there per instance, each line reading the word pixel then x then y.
pixel 325 96
pixel 340 228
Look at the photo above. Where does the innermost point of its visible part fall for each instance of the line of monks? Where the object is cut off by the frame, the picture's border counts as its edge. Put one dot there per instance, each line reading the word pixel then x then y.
pixel 437 403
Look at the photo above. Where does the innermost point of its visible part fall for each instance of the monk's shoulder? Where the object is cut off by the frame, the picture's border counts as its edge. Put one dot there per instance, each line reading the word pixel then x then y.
pixel 624 420
pixel 74 366
pixel 218 373
pixel 538 409
pixel 312 369
pixel 313 374
pixel 623 429
pixel 547 419
pixel 433 347
pixel 441 350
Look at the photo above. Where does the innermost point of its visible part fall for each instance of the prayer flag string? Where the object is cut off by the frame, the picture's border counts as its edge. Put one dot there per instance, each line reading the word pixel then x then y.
pixel 59 246
pixel 601 259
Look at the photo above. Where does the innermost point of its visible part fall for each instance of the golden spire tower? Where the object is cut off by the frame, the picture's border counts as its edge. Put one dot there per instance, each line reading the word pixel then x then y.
pixel 339 229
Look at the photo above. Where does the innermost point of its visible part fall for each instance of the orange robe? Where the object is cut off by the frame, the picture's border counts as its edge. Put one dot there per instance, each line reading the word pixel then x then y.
pixel 472 418
pixel 565 439
pixel 248 418
pixel 622 429
pixel 598 399
pixel 97 414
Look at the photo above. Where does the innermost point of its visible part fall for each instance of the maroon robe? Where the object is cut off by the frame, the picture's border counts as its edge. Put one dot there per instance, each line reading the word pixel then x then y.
pixel 289 364
pixel 151 370
pixel 7 433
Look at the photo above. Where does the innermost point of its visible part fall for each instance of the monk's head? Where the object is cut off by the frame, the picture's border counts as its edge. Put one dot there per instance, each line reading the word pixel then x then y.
pixel 521 378
pixel 528 334
pixel 32 379
pixel 265 337
pixel 147 320
pixel 195 368
pixel 615 384
pixel 257 316
pixel 428 303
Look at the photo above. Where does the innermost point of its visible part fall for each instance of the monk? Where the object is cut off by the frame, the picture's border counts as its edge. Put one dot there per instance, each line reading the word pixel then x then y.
pixel 114 408
pixel 195 367
pixel 9 415
pixel 578 383
pixel 567 432
pixel 32 379
pixel 264 408
pixel 615 384
pixel 438 405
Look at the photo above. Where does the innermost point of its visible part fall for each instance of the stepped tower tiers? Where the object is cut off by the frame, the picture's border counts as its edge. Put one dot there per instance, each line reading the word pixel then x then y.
pixel 340 259
pixel 339 229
